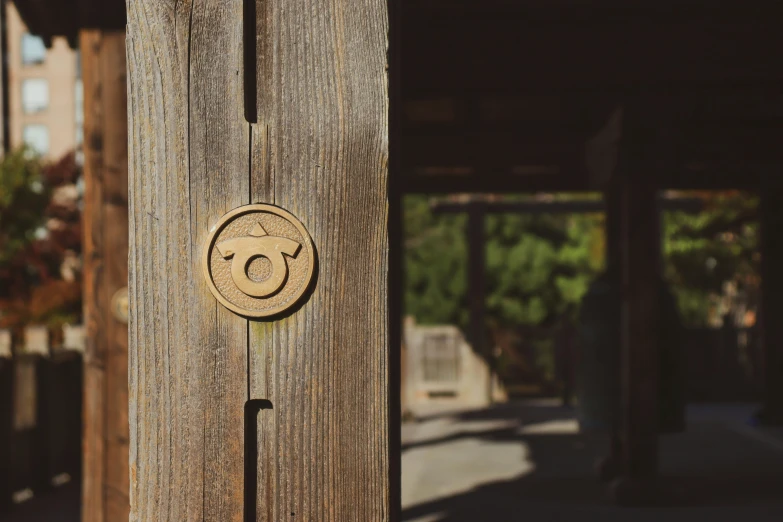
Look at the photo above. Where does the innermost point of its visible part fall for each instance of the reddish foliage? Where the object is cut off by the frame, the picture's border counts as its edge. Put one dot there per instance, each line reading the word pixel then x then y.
pixel 42 283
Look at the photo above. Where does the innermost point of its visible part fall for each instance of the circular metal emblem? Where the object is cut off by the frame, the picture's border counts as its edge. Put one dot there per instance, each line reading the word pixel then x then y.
pixel 259 260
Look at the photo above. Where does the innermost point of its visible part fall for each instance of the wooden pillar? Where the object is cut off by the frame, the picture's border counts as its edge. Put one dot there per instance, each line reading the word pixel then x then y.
pixel 641 283
pixel 610 466
pixel 772 302
pixel 477 292
pixel 319 150
pixel 642 155
pixel 105 471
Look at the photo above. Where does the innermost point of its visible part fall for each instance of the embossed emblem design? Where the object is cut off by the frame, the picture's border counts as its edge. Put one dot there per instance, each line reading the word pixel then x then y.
pixel 259 260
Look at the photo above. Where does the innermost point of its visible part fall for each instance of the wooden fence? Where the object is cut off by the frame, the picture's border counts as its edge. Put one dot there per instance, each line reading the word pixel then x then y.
pixel 40 411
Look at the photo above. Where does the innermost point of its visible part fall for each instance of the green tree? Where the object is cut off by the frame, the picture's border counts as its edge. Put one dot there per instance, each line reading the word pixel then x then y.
pixel 538 267
pixel 435 264
pixel 24 195
pixel 705 251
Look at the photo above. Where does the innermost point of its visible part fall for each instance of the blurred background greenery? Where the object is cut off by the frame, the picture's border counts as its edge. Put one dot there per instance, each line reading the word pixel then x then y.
pixel 40 241
pixel 538 268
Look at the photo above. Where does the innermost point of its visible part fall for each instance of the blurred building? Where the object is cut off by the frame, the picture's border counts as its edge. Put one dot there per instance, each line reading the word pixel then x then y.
pixel 43 88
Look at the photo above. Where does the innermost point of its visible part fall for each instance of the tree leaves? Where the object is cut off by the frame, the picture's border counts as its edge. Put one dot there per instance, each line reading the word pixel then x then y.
pixel 537 267
pixel 40 237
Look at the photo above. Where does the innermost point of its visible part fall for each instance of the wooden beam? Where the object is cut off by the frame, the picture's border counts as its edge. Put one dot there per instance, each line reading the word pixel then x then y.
pixel 50 18
pixel 500 181
pixel 105 491
pixel 572 177
pixel 587 10
pixel 693 205
pixel 319 150
pixel 526 54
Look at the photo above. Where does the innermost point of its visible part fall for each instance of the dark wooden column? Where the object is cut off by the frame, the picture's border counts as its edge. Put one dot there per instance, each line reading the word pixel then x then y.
pixel 640 283
pixel 477 285
pixel 772 301
pixel 642 155
pixel 105 492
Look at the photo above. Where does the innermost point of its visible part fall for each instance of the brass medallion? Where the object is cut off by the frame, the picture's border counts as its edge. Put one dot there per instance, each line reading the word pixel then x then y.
pixel 259 260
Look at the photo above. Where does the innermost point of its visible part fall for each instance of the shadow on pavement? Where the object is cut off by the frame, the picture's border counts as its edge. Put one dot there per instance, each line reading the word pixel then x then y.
pixel 708 471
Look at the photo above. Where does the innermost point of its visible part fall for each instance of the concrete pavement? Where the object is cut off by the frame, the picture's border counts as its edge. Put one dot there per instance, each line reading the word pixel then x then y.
pixel 526 461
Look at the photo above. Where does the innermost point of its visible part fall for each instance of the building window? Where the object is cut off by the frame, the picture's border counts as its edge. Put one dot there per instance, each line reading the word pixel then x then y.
pixel 33 50
pixel 35 95
pixel 37 138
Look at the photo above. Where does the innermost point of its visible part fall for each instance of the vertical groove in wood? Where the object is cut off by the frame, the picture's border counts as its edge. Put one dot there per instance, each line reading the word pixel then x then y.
pixel 320 150
pixel 189 165
pixel 106 272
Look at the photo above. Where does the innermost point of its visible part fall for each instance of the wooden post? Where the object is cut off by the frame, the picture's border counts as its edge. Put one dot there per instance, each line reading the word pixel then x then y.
pixel 772 302
pixel 642 154
pixel 319 150
pixel 477 292
pixel 105 472
pixel 639 327
pixel 610 466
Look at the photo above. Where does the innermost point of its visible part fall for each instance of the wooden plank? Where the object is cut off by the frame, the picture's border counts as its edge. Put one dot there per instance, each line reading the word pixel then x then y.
pixel 320 150
pixel 189 165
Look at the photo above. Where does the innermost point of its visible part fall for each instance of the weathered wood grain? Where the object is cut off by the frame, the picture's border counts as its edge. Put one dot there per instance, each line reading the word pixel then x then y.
pixel 189 165
pixel 320 150
pixel 106 272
